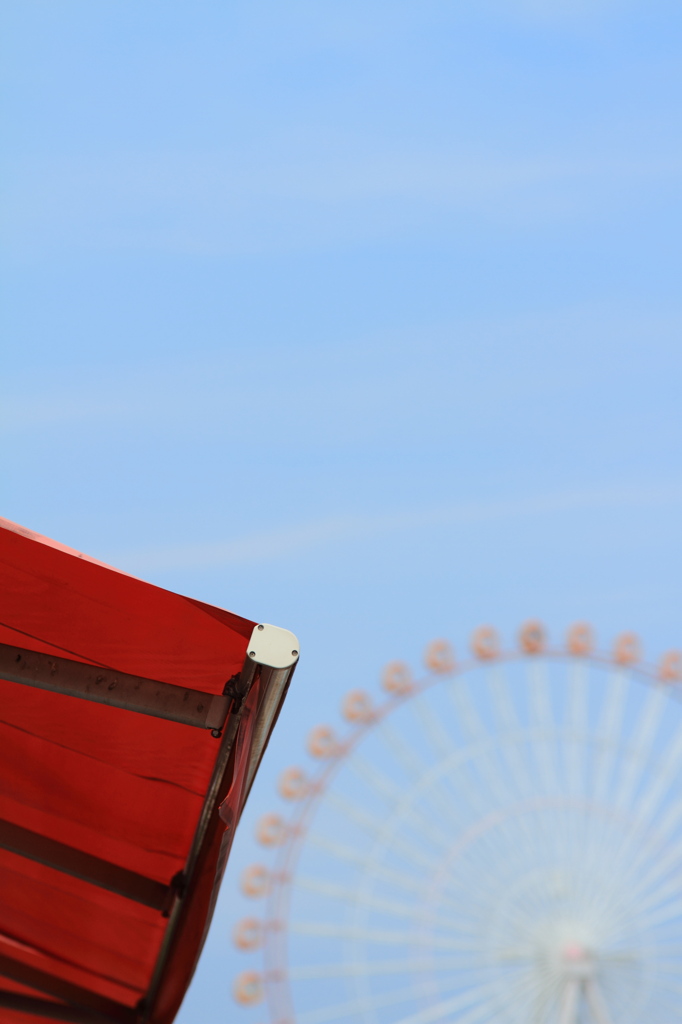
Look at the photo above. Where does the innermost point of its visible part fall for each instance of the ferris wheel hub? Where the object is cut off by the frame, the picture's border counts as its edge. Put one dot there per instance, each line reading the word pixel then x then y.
pixel 578 962
pixel 569 951
pixel 574 952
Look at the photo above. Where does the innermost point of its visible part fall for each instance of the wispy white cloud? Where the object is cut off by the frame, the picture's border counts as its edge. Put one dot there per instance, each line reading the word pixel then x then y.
pixel 560 13
pixel 315 192
pixel 296 540
pixel 365 23
pixel 425 379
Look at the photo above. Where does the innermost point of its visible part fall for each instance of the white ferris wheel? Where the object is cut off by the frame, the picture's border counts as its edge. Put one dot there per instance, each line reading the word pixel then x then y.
pixel 498 842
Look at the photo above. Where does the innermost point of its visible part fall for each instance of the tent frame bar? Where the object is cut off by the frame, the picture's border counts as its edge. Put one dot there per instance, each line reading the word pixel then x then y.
pixel 214 795
pixel 36 1007
pixel 274 683
pixel 102 873
pixel 100 1007
pixel 117 689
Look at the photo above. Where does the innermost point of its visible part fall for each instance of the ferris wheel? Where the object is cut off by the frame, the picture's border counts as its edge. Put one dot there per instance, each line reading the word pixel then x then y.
pixel 500 841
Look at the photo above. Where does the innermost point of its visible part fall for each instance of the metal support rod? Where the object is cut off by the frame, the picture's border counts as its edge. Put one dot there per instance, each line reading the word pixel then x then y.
pixel 117 689
pixel 74 995
pixel 274 683
pixel 81 865
pixel 36 1007
pixel 208 811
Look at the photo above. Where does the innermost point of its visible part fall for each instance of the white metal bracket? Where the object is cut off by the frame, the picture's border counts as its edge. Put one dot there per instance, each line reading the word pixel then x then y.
pixel 273 646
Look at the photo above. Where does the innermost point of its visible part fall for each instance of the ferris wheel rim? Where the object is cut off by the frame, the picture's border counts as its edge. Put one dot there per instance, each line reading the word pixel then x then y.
pixel 645 674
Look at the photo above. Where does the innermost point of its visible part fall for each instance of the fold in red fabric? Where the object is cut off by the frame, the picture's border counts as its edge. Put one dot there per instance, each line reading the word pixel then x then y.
pixel 125 787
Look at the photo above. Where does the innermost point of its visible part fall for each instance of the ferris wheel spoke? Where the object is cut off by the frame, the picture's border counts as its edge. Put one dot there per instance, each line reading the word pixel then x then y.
pixel 542 720
pixel 516 833
pixel 538 993
pixel 436 734
pixel 377 870
pixel 669 989
pixel 496 780
pixel 522 918
pixel 351 856
pixel 466 923
pixel 642 743
pixel 504 711
pixel 609 957
pixel 667 771
pixel 673 969
pixel 537 770
pixel 597 861
pixel 632 775
pixel 478 793
pixel 444 1009
pixel 508 724
pixel 606 767
pixel 369 773
pixel 608 731
pixel 577 727
pixel 453 913
pixel 348 895
pixel 479 1014
pixel 415 770
pixel 595 1001
pixel 667 1005
pixel 375 936
pixel 651 884
pixel 672 950
pixel 520 989
pixel 460 898
pixel 452 904
pixel 508 847
pixel 467 791
pixel 496 837
pixel 658 895
pixel 468 717
pixel 661 914
pixel 369 968
pixel 535 993
pixel 402 752
pixel 394 795
pixel 476 735
pixel 344 853
pixel 513 833
pixel 670 823
pixel 404 811
pixel 355 1007
pixel 374 828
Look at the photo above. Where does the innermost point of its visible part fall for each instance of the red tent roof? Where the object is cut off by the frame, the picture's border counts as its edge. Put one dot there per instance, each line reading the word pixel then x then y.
pixel 111 842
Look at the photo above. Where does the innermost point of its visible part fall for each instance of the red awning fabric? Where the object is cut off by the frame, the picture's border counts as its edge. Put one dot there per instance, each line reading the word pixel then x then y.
pixel 125 788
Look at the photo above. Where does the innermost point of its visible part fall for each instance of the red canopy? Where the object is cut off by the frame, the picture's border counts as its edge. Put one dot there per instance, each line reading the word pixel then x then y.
pixel 111 842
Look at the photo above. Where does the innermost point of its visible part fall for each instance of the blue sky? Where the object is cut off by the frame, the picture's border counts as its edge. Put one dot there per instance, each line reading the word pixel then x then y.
pixel 359 318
